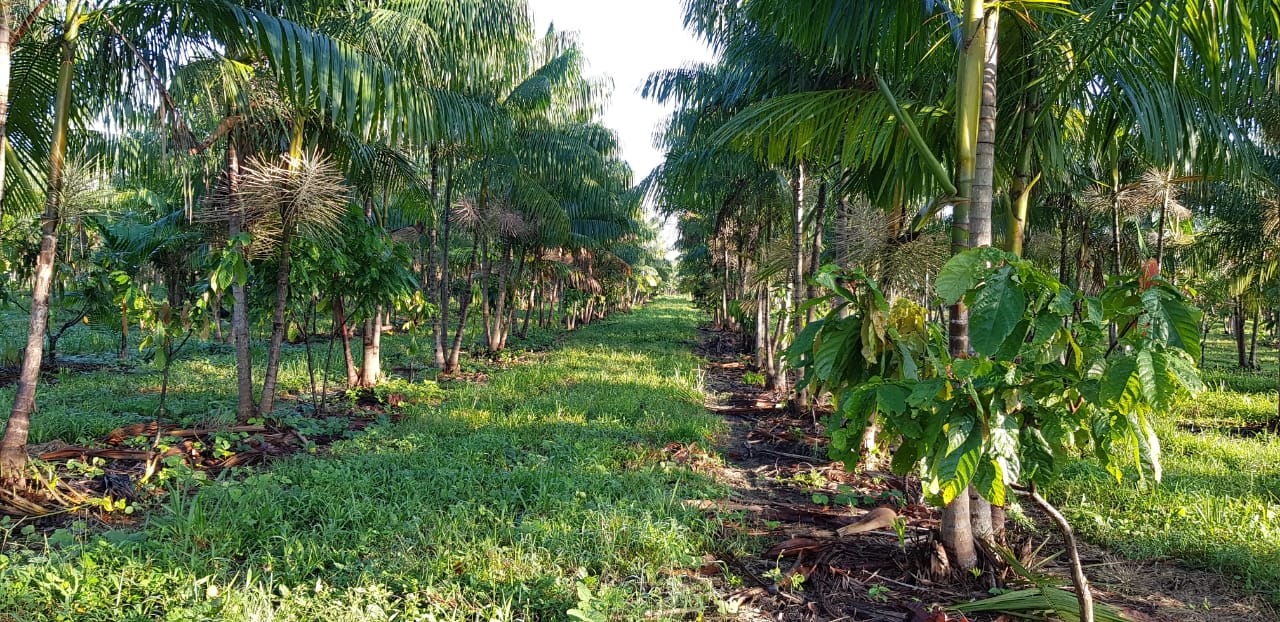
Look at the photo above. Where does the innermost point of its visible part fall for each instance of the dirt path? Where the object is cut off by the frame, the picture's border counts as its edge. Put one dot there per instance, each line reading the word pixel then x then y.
pixel 787 493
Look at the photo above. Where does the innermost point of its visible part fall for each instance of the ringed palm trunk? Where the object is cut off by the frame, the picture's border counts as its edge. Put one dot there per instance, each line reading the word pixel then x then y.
pixel 371 362
pixel 13 446
pixel 442 321
pixel 245 408
pixel 6 16
pixel 957 530
pixel 278 326
pixel 980 510
pixel 797 285
pixel 267 403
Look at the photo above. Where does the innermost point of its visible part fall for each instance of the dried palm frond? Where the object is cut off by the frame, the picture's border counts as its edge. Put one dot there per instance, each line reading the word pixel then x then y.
pixel 1140 197
pixel 466 214
pixel 901 260
pixel 307 198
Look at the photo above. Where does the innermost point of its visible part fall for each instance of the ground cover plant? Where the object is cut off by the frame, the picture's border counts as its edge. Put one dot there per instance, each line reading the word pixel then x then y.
pixel 507 500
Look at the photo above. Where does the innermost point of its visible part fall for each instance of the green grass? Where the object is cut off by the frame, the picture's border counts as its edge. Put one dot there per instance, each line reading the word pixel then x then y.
pixel 508 501
pixel 79 407
pixel 1218 506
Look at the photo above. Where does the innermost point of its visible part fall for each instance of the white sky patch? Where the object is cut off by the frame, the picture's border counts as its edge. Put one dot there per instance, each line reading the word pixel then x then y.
pixel 627 40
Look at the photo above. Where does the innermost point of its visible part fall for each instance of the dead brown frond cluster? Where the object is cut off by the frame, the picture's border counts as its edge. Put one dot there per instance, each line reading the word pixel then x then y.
pixel 276 196
pixel 1141 197
pixel 884 245
pixel 494 219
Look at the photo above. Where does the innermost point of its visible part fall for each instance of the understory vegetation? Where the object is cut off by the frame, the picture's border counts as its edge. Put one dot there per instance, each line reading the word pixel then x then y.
pixel 1218 505
pixel 501 500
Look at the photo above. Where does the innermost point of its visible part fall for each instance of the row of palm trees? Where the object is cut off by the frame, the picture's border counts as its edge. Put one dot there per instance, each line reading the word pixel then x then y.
pixel 1094 135
pixel 417 163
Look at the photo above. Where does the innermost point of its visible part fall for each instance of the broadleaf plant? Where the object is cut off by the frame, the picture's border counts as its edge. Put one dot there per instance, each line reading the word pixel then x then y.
pixel 1045 377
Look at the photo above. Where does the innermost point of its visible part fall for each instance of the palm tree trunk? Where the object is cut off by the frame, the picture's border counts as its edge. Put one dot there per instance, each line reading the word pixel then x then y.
pixel 124 326
pixel 341 325
pixel 762 326
pixel 724 291
pixel 1023 182
pixel 797 269
pixel 13 446
pixel 486 274
pixel 245 406
pixel 528 312
pixel 464 304
pixel 957 532
pixel 6 16
pixel 496 338
pixel 980 206
pixel 440 333
pixel 267 403
pixel 1164 210
pixel 985 153
pixel 1241 360
pixel 1253 341
pixel 815 255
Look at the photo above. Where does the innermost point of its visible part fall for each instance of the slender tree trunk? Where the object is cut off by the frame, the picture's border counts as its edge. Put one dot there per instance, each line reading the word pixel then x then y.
pixel 496 338
pixel 815 256
pixel 341 325
pixel 528 312
pixel 1164 210
pixel 278 329
pixel 1063 253
pixel 957 532
pixel 762 326
pixel 124 325
pixel 371 362
pixel 1023 182
pixel 1242 360
pixel 797 269
pixel 980 206
pixel 13 445
pixel 455 351
pixel 985 153
pixel 440 334
pixel 724 291
pixel 217 318
pixel 1253 341
pixel 6 17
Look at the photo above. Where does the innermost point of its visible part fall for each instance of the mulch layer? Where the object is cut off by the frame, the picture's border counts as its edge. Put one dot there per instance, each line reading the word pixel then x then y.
pixel 784 488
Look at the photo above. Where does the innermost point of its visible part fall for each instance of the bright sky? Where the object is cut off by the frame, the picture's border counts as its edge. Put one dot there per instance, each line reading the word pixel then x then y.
pixel 627 40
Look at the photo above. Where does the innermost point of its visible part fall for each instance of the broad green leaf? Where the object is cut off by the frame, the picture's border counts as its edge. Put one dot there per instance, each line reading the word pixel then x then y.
pixel 1046 326
pixel 1173 319
pixel 1120 384
pixel 1036 454
pixel 803 344
pixel 892 399
pixel 997 309
pixel 1146 445
pixel 959 275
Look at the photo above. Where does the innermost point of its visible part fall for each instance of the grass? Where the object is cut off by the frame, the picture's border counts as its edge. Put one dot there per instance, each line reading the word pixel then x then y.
pixel 522 498
pixel 1218 506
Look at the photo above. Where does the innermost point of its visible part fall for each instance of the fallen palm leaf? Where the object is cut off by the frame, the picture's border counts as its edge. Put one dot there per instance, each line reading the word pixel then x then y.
pixel 1048 602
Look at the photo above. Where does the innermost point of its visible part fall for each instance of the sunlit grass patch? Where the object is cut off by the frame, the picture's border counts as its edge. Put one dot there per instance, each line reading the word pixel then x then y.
pixel 501 502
